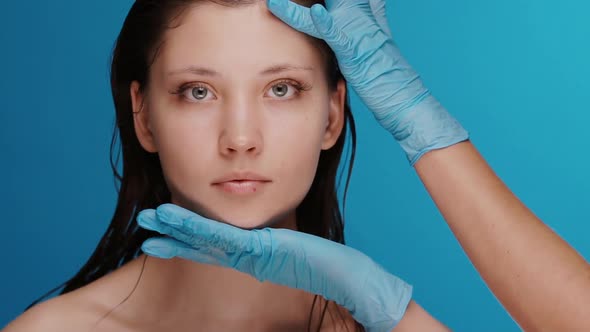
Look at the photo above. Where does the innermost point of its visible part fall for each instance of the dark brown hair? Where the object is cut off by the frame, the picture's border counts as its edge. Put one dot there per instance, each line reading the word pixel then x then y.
pixel 142 185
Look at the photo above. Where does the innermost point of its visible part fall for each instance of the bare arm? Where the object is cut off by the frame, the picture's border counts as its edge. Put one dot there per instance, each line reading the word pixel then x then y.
pixel 541 281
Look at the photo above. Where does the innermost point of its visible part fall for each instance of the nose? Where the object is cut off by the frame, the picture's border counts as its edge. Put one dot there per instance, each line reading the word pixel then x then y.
pixel 241 133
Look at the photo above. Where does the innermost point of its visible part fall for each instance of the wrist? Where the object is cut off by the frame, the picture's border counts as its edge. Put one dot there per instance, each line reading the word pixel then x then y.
pixel 427 126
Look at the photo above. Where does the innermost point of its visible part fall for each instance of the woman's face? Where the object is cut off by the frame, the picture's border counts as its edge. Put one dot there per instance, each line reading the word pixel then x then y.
pixel 223 102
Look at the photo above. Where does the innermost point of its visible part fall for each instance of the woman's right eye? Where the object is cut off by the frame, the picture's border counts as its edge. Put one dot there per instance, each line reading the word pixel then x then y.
pixel 199 92
pixel 193 93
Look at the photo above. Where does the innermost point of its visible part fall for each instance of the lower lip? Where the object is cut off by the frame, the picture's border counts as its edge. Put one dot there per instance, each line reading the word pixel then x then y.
pixel 241 187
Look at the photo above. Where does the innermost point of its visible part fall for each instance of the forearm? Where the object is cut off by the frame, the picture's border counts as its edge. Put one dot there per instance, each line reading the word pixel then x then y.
pixel 542 282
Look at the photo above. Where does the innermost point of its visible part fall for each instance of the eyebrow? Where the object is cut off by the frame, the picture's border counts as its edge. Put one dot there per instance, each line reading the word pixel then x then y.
pixel 204 71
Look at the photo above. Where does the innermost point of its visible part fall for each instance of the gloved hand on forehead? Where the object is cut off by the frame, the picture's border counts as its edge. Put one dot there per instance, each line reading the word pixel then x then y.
pixel 374 297
pixel 358 33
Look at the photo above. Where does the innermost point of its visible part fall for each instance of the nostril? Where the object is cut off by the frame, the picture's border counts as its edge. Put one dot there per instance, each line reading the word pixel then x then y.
pixel 233 145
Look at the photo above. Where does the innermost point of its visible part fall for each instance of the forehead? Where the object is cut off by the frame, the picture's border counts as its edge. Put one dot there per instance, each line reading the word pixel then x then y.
pixel 235 39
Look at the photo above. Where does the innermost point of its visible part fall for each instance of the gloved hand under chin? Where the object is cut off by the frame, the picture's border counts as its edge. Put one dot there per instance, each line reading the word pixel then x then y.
pixel 374 297
pixel 357 32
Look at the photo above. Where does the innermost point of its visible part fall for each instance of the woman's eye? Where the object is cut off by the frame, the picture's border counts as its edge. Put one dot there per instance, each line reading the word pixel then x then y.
pixel 197 92
pixel 192 93
pixel 284 90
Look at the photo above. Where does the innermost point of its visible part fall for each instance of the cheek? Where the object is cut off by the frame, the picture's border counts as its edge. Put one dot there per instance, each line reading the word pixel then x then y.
pixel 185 150
pixel 295 148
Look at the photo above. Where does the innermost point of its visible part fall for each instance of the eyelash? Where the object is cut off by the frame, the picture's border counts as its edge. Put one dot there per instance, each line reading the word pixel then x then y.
pixel 299 88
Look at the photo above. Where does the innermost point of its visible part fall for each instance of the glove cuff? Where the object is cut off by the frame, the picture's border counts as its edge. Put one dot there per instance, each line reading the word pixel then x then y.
pixel 427 126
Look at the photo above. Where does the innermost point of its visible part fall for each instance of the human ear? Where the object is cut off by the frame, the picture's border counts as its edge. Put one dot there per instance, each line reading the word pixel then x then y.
pixel 335 116
pixel 141 119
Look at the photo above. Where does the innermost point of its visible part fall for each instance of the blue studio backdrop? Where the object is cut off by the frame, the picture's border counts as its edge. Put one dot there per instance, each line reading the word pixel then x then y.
pixel 514 72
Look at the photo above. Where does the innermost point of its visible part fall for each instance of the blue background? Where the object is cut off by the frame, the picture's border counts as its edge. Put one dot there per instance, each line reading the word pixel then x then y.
pixel 515 73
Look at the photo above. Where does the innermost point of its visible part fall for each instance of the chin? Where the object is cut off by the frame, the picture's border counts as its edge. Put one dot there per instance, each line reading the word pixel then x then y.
pixel 245 217
pixel 252 221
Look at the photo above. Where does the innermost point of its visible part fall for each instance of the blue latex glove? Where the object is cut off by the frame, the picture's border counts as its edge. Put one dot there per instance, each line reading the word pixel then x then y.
pixel 374 297
pixel 368 58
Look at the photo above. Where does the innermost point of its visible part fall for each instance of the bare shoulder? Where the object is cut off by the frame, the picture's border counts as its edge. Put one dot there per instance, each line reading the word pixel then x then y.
pixel 57 314
pixel 80 309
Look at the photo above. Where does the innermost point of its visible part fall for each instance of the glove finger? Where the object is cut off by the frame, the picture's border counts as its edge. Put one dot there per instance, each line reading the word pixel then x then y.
pixel 295 15
pixel 378 9
pixel 169 247
pixel 199 231
pixel 148 219
pixel 163 247
pixel 334 37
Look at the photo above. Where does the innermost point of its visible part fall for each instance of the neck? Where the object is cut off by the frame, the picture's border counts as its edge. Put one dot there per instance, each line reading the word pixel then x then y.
pixel 188 294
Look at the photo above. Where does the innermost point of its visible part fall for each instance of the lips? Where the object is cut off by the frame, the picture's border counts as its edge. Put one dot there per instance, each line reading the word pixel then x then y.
pixel 241 177
pixel 241 183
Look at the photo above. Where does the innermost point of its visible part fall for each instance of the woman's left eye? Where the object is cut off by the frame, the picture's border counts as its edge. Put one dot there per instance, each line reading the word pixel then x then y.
pixel 286 89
